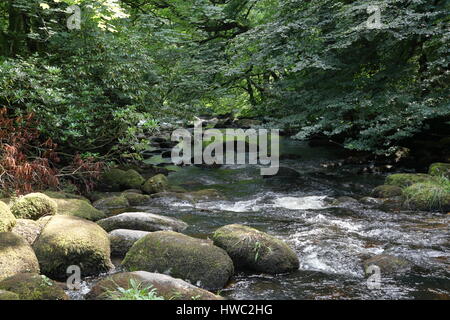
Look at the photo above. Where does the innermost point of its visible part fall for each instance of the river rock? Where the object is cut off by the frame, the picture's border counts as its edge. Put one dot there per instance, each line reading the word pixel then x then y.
pixel 7 219
pixel 118 180
pixel 112 204
pixel 122 240
pixel 136 199
pixel 8 295
pixel 345 201
pixel 32 286
pixel 28 229
pixel 68 240
pixel 16 255
pixel 285 173
pixel 64 195
pixel 158 183
pixel 388 264
pixel 143 221
pixel 79 208
pixel 195 260
pixel 371 201
pixel 255 250
pixel 387 191
pixel 428 197
pixel 34 206
pixel 167 287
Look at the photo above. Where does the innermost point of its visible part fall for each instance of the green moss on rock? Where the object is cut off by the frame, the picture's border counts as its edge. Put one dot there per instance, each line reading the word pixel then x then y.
pixel 64 195
pixel 68 240
pixel 180 256
pixel 158 183
pixel 8 295
pixel 32 286
pixel 387 191
pixel 167 287
pixel 136 199
pixel 440 170
pixel 429 196
pixel 7 219
pixel 404 180
pixel 79 208
pixel 109 205
pixel 34 206
pixel 16 255
pixel 118 180
pixel 255 250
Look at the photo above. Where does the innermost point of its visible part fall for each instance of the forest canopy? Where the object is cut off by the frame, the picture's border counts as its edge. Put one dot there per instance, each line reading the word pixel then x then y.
pixel 309 67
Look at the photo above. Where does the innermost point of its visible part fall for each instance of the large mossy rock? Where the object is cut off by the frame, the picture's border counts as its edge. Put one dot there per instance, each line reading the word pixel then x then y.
pixel 32 286
pixel 34 206
pixel 194 260
pixel 143 221
pixel 8 295
pixel 66 241
pixel 28 229
pixel 387 191
pixel 122 240
pixel 79 208
pixel 166 287
pixel 16 256
pixel 7 219
pixel 404 180
pixel 252 249
pixel 119 180
pixel 64 195
pixel 158 183
pixel 136 199
pixel 388 264
pixel 428 196
pixel 440 170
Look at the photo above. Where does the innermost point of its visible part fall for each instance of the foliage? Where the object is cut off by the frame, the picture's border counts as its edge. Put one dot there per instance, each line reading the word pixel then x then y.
pixel 136 291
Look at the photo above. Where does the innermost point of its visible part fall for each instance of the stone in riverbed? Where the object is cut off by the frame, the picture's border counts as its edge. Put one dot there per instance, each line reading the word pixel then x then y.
pixel 136 199
pixel 66 241
pixel 440 170
pixel 142 221
pixel 7 219
pixel 118 180
pixel 158 183
pixel 167 287
pixel 255 250
pixel 112 204
pixel 16 255
pixel 32 286
pixel 33 206
pixel 388 264
pixel 387 191
pixel 195 260
pixel 79 208
pixel 28 229
pixel 122 240
pixel 8 295
pixel 404 180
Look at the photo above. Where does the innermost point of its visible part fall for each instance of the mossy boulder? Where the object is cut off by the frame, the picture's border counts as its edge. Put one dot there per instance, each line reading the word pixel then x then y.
pixel 28 229
pixel 79 208
pixel 8 295
pixel 203 195
pixel 7 219
pixel 16 255
pixel 64 195
pixel 388 264
pixel 404 180
pixel 119 180
pixel 111 205
pixel 428 196
pixel 143 221
pixel 158 183
pixel 180 256
pixel 32 286
pixel 34 206
pixel 123 239
pixel 167 287
pixel 387 191
pixel 252 249
pixel 136 199
pixel 440 170
pixel 68 240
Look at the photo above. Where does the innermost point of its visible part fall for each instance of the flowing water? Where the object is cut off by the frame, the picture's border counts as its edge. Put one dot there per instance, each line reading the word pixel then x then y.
pixel 331 243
